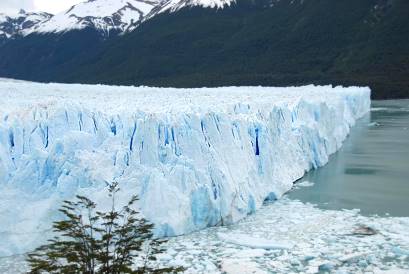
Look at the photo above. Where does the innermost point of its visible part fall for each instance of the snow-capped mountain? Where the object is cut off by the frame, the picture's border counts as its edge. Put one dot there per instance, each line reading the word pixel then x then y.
pixel 104 15
pixel 117 15
pixel 227 42
pixel 21 23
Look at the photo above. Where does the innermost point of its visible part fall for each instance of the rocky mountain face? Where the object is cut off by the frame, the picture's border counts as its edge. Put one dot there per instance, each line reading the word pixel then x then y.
pixel 105 16
pixel 21 23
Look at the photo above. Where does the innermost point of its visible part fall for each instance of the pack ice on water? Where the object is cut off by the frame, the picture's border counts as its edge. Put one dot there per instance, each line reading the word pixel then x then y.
pixel 196 157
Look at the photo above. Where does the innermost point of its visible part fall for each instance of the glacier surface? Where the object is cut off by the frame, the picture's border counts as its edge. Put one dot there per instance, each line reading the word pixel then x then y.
pixel 196 157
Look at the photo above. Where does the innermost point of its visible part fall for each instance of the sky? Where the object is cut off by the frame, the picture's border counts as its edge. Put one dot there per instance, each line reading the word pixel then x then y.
pixel 51 6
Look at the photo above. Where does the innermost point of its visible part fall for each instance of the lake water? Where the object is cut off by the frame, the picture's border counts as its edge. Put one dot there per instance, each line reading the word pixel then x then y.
pixel 371 171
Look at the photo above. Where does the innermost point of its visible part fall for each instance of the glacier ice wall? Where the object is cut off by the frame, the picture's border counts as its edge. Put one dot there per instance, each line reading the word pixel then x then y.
pixel 195 157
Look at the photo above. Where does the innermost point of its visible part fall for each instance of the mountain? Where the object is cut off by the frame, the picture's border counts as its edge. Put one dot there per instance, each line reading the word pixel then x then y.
pixel 21 23
pixel 217 43
pixel 106 16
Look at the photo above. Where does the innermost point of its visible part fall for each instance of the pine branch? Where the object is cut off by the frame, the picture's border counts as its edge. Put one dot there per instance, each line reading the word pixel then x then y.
pixel 93 242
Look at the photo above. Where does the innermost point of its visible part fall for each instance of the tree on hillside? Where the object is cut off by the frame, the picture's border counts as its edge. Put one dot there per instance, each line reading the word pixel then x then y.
pixel 94 242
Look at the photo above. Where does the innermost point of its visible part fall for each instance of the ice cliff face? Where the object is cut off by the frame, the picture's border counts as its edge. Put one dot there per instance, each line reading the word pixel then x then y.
pixel 195 157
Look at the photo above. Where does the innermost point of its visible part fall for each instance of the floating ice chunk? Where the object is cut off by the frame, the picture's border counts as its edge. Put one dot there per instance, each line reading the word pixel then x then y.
pixel 304 184
pixel 374 124
pixel 363 230
pixel 249 253
pixel 253 242
pixel 353 257
pixel 326 266
pixel 400 251
pixel 231 266
pixel 379 109
pixel 391 271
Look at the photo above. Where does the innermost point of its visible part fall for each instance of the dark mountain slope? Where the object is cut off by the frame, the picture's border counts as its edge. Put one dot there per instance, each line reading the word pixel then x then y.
pixel 48 57
pixel 347 42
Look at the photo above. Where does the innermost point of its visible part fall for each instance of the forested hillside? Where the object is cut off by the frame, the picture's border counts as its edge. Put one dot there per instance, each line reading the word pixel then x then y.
pixel 258 42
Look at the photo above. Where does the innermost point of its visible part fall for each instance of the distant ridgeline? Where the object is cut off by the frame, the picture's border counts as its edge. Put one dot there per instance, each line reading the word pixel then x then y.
pixel 185 43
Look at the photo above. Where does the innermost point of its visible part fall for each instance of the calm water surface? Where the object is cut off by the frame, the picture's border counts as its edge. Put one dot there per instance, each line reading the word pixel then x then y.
pixel 371 171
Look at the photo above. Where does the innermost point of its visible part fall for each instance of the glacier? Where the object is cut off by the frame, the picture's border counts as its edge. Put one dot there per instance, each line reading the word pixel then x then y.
pixel 195 157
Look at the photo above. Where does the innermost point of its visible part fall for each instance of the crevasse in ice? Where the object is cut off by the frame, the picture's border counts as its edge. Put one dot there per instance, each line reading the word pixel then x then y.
pixel 196 157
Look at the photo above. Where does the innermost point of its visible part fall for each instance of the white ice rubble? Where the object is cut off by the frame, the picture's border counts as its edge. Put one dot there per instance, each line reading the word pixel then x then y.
pixel 322 241
pixel 196 157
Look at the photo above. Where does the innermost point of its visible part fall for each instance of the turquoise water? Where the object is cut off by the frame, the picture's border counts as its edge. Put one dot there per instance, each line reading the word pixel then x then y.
pixel 371 171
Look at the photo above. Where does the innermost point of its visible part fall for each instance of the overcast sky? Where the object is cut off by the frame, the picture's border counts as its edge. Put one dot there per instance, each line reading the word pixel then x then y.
pixel 52 6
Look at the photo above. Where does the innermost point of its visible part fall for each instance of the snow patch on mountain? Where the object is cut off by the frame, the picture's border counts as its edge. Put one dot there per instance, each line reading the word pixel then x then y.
pixel 104 15
pixel 195 157
pixel 175 5
pixel 22 23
